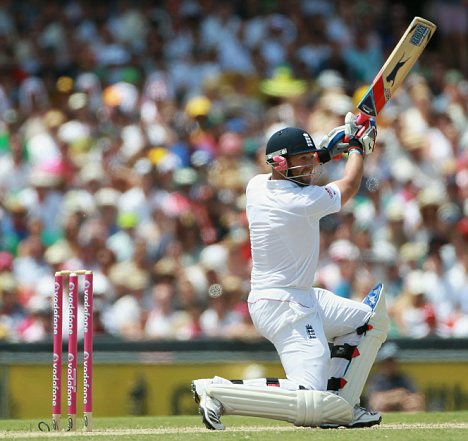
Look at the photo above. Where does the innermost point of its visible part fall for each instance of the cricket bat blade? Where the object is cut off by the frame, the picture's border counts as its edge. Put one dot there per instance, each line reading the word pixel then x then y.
pixel 396 68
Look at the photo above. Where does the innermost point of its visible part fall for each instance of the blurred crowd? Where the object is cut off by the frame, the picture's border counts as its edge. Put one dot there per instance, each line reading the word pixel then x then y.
pixel 128 132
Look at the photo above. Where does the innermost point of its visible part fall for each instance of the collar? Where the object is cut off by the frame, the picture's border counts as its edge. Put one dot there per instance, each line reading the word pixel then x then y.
pixel 281 183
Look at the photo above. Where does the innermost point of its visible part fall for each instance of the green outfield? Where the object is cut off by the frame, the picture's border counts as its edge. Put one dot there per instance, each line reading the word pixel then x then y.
pixel 447 426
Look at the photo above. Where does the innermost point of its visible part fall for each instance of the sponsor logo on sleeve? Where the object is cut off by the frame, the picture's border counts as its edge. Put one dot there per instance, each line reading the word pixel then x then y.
pixel 331 192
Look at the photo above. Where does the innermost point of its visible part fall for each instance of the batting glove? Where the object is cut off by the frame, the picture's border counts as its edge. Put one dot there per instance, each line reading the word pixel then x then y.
pixel 332 145
pixel 361 137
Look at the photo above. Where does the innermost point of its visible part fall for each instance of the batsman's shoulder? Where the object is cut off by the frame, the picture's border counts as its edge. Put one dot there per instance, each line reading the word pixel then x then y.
pixel 258 180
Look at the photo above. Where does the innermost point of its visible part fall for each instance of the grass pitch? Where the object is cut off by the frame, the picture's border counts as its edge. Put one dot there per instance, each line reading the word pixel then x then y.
pixel 447 426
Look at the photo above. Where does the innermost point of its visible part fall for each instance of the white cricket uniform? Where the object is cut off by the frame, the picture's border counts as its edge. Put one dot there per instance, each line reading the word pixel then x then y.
pixel 297 318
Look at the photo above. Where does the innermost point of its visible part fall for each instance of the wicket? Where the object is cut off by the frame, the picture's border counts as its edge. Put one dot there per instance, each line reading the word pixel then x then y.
pixel 72 349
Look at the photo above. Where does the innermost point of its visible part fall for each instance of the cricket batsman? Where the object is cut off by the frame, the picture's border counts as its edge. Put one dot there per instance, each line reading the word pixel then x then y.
pixel 322 387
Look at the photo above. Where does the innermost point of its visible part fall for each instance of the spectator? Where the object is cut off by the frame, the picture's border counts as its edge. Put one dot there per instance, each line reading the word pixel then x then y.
pixel 14 223
pixel 441 292
pixel 339 274
pixel 30 264
pixel 43 200
pixel 220 319
pixel 36 325
pixel 390 390
pixel 458 275
pixel 192 329
pixel 107 199
pixel 414 314
pixel 14 168
pixel 162 321
pixel 125 317
pixel 12 313
pixel 363 55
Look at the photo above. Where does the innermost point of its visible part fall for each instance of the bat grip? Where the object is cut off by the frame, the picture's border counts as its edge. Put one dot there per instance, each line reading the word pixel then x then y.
pixel 361 119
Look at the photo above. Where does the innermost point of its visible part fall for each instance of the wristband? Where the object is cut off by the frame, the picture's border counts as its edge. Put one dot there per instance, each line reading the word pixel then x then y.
pixel 355 150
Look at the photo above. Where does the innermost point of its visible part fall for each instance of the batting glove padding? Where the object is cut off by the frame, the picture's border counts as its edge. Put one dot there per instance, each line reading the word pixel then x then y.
pixel 332 144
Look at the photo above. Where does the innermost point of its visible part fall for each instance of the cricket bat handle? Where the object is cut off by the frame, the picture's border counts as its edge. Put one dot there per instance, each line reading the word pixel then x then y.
pixel 362 118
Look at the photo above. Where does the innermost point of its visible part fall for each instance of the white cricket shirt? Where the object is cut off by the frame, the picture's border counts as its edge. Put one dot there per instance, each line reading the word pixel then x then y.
pixel 284 230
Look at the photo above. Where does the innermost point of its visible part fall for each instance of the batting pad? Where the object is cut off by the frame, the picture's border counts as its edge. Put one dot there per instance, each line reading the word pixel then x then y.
pixel 360 366
pixel 302 407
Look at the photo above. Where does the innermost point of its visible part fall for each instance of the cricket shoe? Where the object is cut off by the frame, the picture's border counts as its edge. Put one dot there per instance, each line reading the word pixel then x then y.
pixel 361 418
pixel 209 408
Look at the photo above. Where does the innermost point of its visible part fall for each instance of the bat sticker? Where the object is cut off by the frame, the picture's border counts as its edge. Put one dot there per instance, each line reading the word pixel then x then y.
pixel 367 104
pixel 392 75
pixel 419 34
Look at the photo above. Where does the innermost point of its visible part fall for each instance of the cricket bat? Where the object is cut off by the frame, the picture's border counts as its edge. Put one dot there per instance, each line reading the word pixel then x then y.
pixel 396 68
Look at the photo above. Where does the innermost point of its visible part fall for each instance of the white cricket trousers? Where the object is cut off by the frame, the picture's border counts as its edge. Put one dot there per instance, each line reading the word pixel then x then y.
pixel 300 323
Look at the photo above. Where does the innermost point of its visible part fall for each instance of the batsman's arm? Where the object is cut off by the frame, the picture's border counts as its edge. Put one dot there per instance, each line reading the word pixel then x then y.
pixel 351 180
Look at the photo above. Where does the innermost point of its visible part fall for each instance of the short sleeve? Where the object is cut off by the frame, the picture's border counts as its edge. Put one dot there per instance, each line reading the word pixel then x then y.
pixel 324 200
